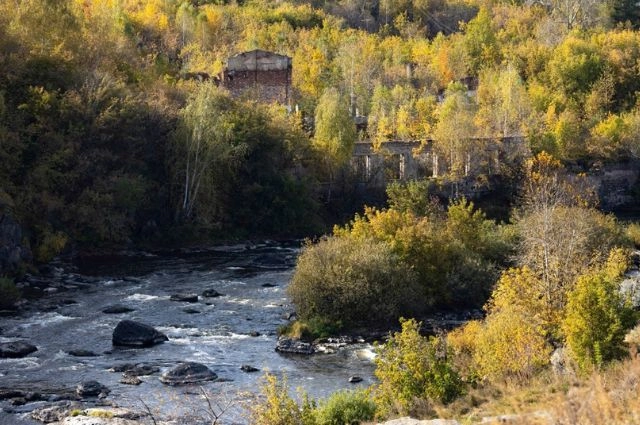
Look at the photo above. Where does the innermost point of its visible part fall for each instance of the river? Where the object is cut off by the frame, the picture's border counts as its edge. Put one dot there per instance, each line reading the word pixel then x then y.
pixel 214 331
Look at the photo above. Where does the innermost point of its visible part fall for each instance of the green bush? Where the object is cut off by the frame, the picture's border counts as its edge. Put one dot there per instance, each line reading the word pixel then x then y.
pixel 346 408
pixel 597 317
pixel 410 368
pixel 9 294
pixel 350 281
pixel 278 407
pixel 413 196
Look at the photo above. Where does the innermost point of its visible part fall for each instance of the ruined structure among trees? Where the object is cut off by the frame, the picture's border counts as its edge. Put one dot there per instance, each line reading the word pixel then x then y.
pixel 260 75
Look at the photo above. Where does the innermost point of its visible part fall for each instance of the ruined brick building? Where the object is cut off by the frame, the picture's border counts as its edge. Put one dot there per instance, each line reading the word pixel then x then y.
pixel 259 75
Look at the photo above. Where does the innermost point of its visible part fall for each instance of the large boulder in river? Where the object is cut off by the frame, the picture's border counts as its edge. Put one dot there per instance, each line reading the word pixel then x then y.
pixel 135 334
pixel 187 298
pixel 92 389
pixel 16 349
pixel 188 373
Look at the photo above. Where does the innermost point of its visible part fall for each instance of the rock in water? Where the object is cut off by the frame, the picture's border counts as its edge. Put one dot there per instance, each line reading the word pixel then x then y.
pixel 117 309
pixel 91 389
pixel 135 334
pixel 355 379
pixel 187 298
pixel 135 369
pixel 130 380
pixel 247 368
pixel 16 349
pixel 188 373
pixel 81 353
pixel 292 346
pixel 211 293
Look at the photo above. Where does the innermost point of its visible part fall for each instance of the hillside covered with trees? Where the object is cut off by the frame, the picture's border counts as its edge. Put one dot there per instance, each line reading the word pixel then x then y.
pixel 105 138
pixel 114 132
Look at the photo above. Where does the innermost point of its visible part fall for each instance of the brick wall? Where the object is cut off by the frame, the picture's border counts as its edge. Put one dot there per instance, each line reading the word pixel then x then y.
pixel 263 85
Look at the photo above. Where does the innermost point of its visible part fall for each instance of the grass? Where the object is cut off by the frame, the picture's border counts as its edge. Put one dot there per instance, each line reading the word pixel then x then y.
pixel 606 397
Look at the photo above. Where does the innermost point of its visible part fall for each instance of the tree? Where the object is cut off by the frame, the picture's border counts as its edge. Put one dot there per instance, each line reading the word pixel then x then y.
pixel 560 233
pixel 503 103
pixel 480 42
pixel 204 138
pixel 455 130
pixel 335 133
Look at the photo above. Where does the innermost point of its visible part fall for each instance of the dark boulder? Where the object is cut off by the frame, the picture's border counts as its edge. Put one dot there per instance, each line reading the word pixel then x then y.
pixel 16 349
pixel 131 369
pixel 191 310
pixel 81 353
pixel 355 379
pixel 135 334
pixel 187 298
pixel 268 285
pixel 188 373
pixel 293 346
pixel 92 389
pixel 6 394
pixel 248 369
pixel 211 293
pixel 117 309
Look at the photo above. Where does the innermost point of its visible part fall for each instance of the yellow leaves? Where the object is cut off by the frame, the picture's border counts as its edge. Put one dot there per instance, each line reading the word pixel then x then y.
pixel 151 15
pixel 510 344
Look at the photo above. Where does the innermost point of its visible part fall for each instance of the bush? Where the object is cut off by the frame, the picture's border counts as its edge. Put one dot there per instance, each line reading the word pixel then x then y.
pixel 309 330
pixel 511 344
pixel 411 367
pixel 346 408
pixel 9 294
pixel 350 281
pixel 633 234
pixel 413 196
pixel 462 342
pixel 597 317
pixel 51 244
pixel 278 408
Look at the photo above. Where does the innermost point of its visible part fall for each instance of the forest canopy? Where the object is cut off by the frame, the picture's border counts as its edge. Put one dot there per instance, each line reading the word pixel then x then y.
pixel 96 103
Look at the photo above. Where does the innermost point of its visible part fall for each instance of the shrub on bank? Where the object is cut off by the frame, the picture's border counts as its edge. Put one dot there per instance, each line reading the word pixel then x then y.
pixel 597 316
pixel 351 281
pixel 346 408
pixel 9 294
pixel 277 407
pixel 412 368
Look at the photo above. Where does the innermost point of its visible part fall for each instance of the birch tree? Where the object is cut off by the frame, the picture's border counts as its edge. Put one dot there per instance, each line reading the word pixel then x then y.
pixel 205 139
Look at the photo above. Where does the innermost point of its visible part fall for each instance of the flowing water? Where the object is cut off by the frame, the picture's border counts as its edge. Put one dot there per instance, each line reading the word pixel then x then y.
pixel 214 331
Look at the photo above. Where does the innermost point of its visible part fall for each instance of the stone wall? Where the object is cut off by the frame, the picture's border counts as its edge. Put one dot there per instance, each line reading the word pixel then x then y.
pixel 615 182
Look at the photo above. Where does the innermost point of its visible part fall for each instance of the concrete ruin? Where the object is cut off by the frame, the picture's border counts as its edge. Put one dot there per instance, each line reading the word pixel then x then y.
pixel 399 160
pixel 259 75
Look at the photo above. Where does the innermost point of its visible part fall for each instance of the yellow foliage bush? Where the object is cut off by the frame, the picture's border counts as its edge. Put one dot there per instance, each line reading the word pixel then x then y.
pixel 511 344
